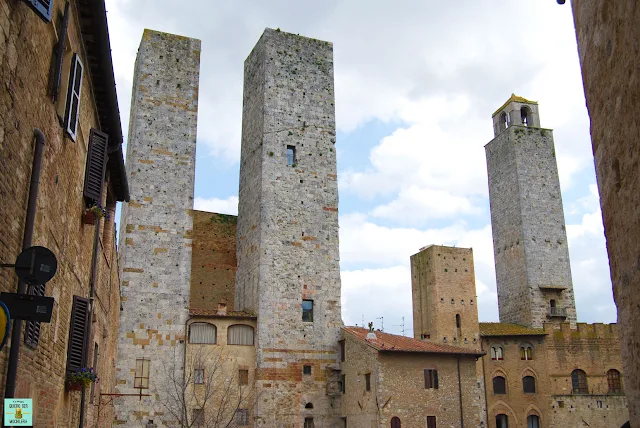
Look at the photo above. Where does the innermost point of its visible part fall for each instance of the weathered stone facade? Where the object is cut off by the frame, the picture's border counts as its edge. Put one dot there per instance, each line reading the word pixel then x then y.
pixel 288 224
pixel 529 236
pixel 607 34
pixel 155 249
pixel 26 55
pixel 395 367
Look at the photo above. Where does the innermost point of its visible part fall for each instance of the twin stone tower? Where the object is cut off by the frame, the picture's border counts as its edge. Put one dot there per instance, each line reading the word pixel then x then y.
pixel 287 245
pixel 287 228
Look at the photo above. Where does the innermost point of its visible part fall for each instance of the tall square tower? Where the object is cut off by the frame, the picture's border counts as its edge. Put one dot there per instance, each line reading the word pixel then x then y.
pixel 529 235
pixel 156 225
pixel 287 247
pixel 444 296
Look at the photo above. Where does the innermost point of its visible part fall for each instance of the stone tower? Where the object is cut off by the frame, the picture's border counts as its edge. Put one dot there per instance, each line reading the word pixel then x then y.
pixel 529 235
pixel 156 225
pixel 444 296
pixel 288 260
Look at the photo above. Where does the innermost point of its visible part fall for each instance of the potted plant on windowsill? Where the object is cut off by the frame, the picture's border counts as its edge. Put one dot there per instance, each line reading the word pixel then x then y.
pixel 79 379
pixel 93 213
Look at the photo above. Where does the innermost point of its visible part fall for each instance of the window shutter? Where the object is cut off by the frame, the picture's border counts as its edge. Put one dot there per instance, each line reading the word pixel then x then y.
pixel 96 165
pixel 435 379
pixel 59 57
pixel 32 328
pixel 77 333
pixel 43 8
pixel 427 378
pixel 73 97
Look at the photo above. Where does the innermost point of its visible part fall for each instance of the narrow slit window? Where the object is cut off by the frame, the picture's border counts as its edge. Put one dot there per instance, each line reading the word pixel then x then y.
pixel 367 381
pixel 291 155
pixel 198 376
pixel 307 310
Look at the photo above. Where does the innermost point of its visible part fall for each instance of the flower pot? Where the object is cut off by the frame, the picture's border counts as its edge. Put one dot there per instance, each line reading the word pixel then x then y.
pixel 89 217
pixel 74 385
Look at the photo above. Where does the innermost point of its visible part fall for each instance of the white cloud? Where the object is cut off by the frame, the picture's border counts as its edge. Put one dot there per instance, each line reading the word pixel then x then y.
pixel 215 205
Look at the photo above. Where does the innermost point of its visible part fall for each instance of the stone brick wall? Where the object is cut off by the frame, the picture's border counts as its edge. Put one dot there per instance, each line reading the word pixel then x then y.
pixel 517 404
pixel 213 263
pixel 156 231
pixel 443 286
pixel 288 224
pixel 607 34
pixel 26 46
pixel 529 236
pixel 596 411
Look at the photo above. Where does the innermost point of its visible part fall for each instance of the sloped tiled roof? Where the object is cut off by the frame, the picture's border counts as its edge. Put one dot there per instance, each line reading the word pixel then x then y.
pixel 206 312
pixel 394 343
pixel 508 329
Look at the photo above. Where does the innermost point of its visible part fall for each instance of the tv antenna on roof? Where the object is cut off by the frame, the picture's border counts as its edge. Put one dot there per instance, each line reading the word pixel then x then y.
pixel 381 323
pixel 401 325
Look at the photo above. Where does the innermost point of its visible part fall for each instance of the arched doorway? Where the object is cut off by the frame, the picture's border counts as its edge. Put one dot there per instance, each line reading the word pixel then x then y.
pixel 395 422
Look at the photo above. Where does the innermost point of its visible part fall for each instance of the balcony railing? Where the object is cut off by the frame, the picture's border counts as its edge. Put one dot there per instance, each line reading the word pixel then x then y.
pixel 558 312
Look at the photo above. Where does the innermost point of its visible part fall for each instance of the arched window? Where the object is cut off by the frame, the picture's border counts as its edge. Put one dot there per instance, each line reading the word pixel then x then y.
pixel 526 352
pixel 496 353
pixel 458 323
pixel 613 380
pixel 529 384
pixel 533 421
pixel 309 406
pixel 240 334
pixel 502 421
pixel 395 422
pixel 504 121
pixel 499 385
pixel 579 382
pixel 525 115
pixel 202 332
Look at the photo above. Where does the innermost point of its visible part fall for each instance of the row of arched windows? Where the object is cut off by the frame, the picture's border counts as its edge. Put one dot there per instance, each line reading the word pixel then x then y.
pixel 526 352
pixel 206 333
pixel 500 385
pixel 502 421
pixel 579 383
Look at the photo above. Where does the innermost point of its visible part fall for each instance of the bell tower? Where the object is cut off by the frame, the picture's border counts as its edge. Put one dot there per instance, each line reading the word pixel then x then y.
pixel 529 235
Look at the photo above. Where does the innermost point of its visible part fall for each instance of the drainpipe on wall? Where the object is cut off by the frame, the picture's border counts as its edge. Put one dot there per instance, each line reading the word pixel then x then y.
pixel 92 288
pixel 14 352
pixel 460 393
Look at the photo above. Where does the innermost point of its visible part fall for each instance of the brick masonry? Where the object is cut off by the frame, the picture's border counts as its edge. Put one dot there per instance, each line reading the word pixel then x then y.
pixel 156 225
pixel 213 264
pixel 288 224
pixel 26 47
pixel 607 34
pixel 527 218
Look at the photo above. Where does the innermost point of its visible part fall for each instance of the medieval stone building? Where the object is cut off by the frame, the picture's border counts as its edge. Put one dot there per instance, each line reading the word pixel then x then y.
pixel 241 315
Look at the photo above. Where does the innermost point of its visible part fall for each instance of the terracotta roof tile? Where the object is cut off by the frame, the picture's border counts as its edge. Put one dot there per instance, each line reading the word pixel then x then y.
pixel 508 329
pixel 391 342
pixel 206 312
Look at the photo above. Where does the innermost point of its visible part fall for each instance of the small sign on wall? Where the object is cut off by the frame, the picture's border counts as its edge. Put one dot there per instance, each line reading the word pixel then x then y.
pixel 18 412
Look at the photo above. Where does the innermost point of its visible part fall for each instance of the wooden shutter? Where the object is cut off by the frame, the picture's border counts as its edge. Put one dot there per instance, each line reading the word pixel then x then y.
pixel 431 422
pixel 96 165
pixel 43 8
pixel 78 333
pixel 32 328
pixel 59 56
pixel 435 378
pixel 73 97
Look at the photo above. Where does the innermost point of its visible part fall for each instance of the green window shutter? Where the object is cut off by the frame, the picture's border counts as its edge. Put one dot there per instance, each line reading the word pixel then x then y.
pixel 96 165
pixel 78 333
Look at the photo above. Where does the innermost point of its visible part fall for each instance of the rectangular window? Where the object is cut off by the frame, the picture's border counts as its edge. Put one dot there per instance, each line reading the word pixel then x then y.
pixel 431 422
pixel 561 404
pixel 307 310
pixel 367 381
pixel 599 404
pixel 77 333
pixel 141 379
pixel 291 155
pixel 342 351
pixel 243 375
pixel 197 416
pixel 430 379
pixel 242 417
pixel 198 376
pixel 73 97
pixel 308 423
pixel 343 383
pixel 306 370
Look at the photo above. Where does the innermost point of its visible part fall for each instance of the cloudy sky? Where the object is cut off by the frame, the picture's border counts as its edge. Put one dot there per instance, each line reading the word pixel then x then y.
pixel 416 83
